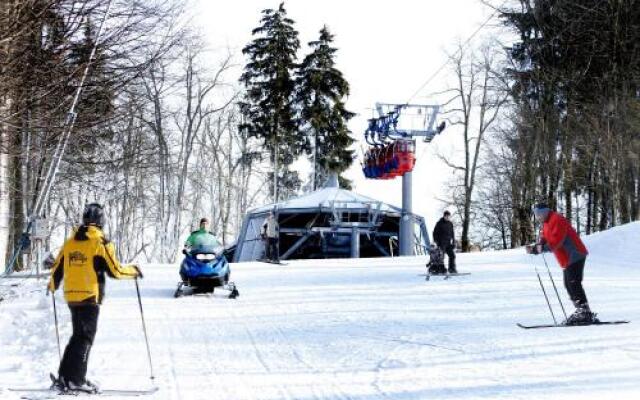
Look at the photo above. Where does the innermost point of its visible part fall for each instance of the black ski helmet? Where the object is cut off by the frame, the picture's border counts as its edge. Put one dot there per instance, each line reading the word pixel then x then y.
pixel 93 215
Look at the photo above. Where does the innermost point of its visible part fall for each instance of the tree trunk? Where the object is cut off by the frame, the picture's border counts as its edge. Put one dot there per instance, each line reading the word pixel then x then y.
pixel 16 197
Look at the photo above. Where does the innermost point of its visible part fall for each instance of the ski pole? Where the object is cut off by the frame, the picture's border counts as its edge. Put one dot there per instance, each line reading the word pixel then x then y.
pixel 545 294
pixel 55 319
pixel 554 287
pixel 144 329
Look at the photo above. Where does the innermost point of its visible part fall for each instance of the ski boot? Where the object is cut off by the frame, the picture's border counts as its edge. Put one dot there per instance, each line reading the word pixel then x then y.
pixel 85 387
pixel 452 269
pixel 58 384
pixel 437 269
pixel 582 316
pixel 67 386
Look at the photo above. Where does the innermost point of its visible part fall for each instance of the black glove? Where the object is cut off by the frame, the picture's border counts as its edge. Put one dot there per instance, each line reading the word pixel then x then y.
pixel 49 290
pixel 139 272
pixel 533 249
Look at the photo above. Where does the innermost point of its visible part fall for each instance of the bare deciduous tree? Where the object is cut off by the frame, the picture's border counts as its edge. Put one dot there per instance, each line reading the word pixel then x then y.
pixel 479 96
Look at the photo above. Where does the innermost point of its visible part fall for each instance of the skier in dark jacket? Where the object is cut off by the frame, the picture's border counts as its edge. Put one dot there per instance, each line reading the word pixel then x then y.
pixel 82 264
pixel 444 237
pixel 558 236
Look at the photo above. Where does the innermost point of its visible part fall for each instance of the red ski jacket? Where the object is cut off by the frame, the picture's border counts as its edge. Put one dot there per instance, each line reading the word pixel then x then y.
pixel 559 237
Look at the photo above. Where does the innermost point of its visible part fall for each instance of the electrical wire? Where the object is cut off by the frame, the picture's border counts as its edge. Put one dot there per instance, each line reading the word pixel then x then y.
pixel 464 44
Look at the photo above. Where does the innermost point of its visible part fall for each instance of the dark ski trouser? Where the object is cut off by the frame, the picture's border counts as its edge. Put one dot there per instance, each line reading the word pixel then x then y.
pixel 451 254
pixel 573 275
pixel 272 249
pixel 84 319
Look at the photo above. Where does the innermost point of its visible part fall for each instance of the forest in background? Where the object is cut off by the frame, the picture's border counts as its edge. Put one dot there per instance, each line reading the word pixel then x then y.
pixel 570 135
pixel 165 132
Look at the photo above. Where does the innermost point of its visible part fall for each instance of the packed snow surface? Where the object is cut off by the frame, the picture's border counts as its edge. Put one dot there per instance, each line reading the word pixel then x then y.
pixel 351 329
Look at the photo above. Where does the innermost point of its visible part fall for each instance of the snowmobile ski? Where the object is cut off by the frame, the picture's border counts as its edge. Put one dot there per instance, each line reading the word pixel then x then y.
pixel 233 290
pixel 569 326
pixel 185 290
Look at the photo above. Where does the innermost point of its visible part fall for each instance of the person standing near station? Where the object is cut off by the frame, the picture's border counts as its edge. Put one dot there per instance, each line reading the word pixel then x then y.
pixel 270 235
pixel 444 237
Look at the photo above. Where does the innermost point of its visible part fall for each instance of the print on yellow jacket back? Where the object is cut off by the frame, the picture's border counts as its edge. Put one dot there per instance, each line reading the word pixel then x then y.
pixel 82 263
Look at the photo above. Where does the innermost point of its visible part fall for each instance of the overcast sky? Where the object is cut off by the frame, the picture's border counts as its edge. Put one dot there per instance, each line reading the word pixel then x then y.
pixel 387 50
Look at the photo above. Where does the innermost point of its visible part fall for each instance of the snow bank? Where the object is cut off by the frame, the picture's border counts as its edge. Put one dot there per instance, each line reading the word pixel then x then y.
pixel 619 246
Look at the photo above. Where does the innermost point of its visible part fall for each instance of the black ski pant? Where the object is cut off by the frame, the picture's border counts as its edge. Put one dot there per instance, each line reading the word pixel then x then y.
pixel 272 249
pixel 449 249
pixel 84 319
pixel 573 275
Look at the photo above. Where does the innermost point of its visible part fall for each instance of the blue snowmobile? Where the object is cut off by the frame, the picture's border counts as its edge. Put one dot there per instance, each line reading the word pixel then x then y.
pixel 205 268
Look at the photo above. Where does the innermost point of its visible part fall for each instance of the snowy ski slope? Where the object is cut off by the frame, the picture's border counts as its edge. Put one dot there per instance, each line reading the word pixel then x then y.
pixel 351 329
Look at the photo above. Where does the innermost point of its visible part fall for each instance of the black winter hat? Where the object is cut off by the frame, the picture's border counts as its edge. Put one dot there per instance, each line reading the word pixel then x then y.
pixel 93 215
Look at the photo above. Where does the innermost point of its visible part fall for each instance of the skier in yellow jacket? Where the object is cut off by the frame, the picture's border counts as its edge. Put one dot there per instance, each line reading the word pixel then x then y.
pixel 82 264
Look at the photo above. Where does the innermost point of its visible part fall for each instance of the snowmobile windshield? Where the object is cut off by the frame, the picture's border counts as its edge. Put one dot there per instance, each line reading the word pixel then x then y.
pixel 205 243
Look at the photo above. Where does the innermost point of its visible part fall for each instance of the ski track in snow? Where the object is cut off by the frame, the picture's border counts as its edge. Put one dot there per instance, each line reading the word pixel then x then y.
pixel 350 329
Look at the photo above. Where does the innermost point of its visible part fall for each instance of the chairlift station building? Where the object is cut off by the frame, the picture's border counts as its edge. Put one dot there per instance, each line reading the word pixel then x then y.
pixel 328 223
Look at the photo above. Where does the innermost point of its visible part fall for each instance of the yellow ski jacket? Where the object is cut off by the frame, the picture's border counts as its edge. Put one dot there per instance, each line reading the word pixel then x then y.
pixel 83 262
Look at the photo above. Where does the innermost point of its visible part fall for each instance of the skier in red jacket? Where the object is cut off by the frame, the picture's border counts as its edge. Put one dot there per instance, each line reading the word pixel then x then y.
pixel 558 236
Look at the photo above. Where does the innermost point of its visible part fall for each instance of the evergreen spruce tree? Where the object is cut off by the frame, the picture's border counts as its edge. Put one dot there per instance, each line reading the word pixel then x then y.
pixel 269 107
pixel 321 89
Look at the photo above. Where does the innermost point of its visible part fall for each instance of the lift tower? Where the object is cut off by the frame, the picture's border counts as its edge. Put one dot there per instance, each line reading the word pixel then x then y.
pixel 392 137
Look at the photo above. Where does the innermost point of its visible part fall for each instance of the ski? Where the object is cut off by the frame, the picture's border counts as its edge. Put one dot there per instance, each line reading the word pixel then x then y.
pixel 445 276
pixel 271 261
pixel 53 393
pixel 569 326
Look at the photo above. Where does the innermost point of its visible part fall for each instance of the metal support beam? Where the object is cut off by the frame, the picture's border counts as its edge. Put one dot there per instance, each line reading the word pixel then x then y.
pixel 406 221
pixel 355 242
pixel 379 247
pixel 296 246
